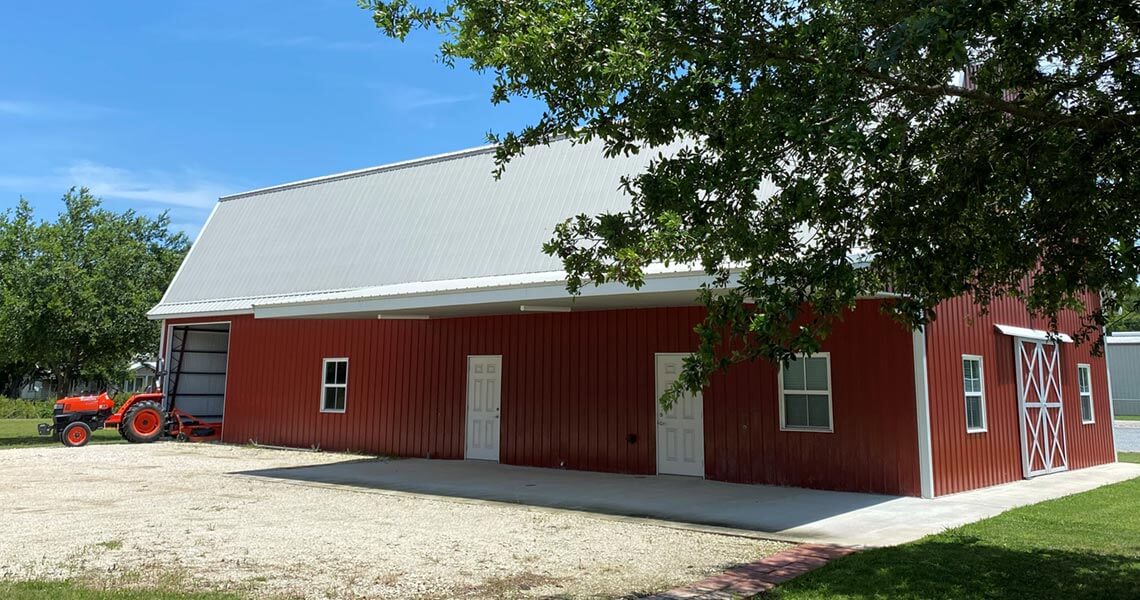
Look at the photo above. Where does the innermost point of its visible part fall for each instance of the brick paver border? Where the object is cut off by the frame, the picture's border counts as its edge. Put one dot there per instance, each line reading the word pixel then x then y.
pixel 760 576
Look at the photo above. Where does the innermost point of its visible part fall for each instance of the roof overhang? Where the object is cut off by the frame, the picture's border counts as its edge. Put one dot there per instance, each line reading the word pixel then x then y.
pixel 490 295
pixel 1033 334
pixel 676 285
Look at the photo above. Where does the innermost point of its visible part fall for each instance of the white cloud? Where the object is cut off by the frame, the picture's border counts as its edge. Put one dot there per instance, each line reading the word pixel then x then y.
pixel 20 109
pixel 410 97
pixel 270 39
pixel 51 109
pixel 187 189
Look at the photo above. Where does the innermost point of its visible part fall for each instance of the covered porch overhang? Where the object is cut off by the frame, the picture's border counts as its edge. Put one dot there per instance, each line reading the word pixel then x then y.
pixel 532 292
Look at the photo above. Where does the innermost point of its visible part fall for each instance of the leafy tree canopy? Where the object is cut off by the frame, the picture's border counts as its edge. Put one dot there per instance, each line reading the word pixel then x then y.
pixel 893 169
pixel 74 293
pixel 1127 317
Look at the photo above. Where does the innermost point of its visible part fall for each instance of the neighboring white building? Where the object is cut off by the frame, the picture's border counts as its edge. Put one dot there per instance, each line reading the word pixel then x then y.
pixel 140 376
pixel 1123 350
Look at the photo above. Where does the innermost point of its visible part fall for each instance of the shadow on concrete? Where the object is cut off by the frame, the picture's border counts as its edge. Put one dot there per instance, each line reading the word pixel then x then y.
pixel 793 513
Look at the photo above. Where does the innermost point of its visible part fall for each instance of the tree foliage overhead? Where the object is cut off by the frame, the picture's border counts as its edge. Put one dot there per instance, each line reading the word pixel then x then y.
pixel 893 168
pixel 74 293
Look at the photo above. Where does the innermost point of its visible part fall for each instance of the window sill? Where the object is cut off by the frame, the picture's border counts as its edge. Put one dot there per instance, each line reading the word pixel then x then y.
pixel 808 429
pixel 330 411
pixel 1084 422
pixel 982 430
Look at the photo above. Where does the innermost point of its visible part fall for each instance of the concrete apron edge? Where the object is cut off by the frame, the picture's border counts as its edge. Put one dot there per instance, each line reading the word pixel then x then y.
pixel 678 525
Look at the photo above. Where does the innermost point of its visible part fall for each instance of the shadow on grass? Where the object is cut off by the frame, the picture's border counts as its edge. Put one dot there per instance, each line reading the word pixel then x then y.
pixel 960 566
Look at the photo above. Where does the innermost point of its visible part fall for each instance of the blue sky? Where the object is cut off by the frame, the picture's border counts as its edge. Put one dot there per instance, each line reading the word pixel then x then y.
pixel 166 106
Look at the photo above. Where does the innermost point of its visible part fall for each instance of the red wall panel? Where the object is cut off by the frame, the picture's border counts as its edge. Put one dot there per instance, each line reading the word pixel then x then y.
pixel 575 387
pixel 964 461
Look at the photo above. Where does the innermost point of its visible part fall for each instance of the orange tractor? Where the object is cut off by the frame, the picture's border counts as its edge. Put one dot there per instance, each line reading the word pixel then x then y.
pixel 142 418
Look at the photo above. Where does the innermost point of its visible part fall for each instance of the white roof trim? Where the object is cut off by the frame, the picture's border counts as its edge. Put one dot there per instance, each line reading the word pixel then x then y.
pixel 530 287
pixel 1123 337
pixel 1033 334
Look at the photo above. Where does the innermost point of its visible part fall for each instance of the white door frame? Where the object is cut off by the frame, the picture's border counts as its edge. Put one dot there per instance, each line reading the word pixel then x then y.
pixel 658 414
pixel 467 408
pixel 164 351
pixel 1038 377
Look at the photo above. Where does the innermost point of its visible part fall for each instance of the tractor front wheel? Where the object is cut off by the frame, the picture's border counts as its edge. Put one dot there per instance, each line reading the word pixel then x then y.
pixel 142 423
pixel 76 434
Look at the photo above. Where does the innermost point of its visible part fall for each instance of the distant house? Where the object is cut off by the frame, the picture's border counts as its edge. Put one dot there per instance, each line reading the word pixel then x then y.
pixel 1123 350
pixel 36 390
pixel 41 389
pixel 409 310
pixel 140 376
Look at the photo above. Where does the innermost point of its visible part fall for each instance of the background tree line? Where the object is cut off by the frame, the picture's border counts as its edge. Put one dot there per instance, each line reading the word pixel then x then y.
pixel 74 292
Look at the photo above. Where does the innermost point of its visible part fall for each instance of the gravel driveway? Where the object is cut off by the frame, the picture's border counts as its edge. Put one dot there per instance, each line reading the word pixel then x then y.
pixel 1127 435
pixel 166 511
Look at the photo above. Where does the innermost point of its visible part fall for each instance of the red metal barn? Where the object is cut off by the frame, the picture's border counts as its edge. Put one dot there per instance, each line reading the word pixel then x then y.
pixel 409 310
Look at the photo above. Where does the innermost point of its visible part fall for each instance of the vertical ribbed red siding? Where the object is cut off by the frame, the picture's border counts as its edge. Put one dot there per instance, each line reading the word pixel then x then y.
pixel 576 388
pixel 964 461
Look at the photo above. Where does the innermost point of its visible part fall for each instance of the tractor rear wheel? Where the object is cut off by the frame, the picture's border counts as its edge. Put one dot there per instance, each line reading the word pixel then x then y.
pixel 142 423
pixel 76 434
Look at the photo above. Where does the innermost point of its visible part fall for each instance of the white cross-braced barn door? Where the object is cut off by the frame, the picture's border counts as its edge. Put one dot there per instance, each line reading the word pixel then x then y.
pixel 1043 448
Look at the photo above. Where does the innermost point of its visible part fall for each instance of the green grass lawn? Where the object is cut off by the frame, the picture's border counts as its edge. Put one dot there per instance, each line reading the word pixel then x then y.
pixel 22 433
pixel 1127 418
pixel 1129 457
pixel 1081 546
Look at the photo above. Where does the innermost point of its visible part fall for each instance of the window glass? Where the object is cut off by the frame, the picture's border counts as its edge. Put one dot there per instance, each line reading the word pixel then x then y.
pixel 796 410
pixel 334 389
pixel 806 395
pixel 816 373
pixel 1084 388
pixel 974 394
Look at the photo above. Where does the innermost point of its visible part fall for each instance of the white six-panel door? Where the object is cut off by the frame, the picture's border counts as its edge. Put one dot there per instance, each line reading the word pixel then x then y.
pixel 681 429
pixel 484 381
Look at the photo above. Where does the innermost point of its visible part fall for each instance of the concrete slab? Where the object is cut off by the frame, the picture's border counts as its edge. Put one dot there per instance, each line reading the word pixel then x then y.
pixel 786 513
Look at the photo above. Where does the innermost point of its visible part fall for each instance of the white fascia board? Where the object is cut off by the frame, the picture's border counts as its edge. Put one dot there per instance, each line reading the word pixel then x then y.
pixel 1033 334
pixel 159 316
pixel 1123 338
pixel 473 297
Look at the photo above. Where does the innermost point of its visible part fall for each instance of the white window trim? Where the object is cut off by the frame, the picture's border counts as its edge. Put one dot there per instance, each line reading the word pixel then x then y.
pixel 1080 395
pixel 324 386
pixel 965 407
pixel 829 393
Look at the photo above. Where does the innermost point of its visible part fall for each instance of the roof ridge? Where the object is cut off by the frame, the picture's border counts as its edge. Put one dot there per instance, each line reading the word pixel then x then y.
pixel 393 166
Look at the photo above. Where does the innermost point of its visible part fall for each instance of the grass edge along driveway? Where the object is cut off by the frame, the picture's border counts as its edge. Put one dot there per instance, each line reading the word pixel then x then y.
pixel 21 433
pixel 1082 546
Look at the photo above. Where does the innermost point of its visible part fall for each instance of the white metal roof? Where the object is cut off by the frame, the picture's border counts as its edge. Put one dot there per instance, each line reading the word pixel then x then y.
pixel 438 219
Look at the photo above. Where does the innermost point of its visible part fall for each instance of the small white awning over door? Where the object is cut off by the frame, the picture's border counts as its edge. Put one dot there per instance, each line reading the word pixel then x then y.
pixel 1033 334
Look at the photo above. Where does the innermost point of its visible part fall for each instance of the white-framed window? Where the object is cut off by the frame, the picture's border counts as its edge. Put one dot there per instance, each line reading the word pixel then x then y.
pixel 805 394
pixel 973 385
pixel 1084 389
pixel 334 384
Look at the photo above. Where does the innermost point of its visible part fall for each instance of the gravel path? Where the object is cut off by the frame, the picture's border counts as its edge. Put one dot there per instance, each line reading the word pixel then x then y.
pixel 169 510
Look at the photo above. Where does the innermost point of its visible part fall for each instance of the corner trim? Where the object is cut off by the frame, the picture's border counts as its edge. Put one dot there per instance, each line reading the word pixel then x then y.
pixel 922 412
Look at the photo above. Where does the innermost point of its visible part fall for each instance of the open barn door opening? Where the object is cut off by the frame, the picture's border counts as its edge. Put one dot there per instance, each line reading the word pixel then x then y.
pixel 195 387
